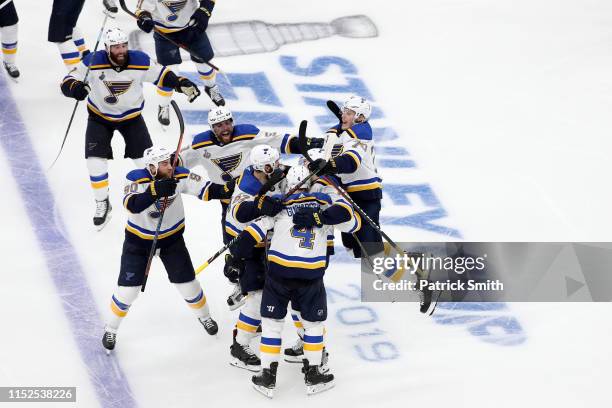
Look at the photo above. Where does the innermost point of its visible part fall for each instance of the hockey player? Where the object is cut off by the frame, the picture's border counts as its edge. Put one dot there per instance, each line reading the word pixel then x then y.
pixel 354 165
pixel 144 193
pixel 8 34
pixel 248 203
pixel 115 101
pixel 185 22
pixel 223 151
pixel 297 259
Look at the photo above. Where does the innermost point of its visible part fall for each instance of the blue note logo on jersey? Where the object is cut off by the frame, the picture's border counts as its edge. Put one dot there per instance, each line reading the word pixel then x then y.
pixel 116 88
pixel 175 6
pixel 158 205
pixel 228 163
pixel 337 150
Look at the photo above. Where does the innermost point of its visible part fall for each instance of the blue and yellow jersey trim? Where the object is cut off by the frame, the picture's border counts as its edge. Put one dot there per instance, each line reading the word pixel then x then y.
pixel 270 345
pixel 129 114
pixel 285 146
pixel 148 235
pixel 247 323
pixel 353 155
pixel 232 229
pixel 361 131
pixel 248 182
pixel 361 185
pixel 159 82
pixel 256 232
pixel 313 343
pixel 299 262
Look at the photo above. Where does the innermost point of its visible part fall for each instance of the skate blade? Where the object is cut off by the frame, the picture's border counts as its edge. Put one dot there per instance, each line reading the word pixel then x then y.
pixel 101 226
pixel 239 364
pixel 265 391
pixel 293 360
pixel 236 305
pixel 318 388
pixel 432 306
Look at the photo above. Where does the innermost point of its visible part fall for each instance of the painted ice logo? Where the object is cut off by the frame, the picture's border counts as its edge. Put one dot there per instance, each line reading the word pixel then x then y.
pixel 228 163
pixel 175 7
pixel 116 88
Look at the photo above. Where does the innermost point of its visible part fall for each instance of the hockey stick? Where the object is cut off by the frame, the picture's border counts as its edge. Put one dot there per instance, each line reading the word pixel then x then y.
pixel 213 66
pixel 77 102
pixel 287 194
pixel 163 207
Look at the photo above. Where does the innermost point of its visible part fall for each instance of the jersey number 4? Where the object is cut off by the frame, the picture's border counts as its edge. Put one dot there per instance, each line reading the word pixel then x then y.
pixel 305 235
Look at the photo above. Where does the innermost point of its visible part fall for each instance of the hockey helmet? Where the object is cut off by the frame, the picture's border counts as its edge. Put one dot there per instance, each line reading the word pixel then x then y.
pixel 295 176
pixel 358 105
pixel 155 155
pixel 218 115
pixel 114 36
pixel 314 154
pixel 264 158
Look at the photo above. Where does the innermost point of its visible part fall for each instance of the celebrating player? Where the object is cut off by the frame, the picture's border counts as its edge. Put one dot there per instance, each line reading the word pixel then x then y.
pixel 354 165
pixel 144 193
pixel 184 22
pixel 115 101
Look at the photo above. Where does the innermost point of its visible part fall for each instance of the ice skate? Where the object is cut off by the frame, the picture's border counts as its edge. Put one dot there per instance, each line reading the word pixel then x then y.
pixel 243 357
pixel 109 340
pixel 103 213
pixel 215 95
pixel 316 380
pixel 210 325
pixel 266 381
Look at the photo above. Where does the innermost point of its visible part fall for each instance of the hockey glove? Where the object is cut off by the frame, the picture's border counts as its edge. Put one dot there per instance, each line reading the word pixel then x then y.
pixel 163 187
pixel 202 15
pixel 80 90
pixel 188 88
pixel 233 267
pixel 315 142
pixel 145 21
pixel 110 8
pixel 308 217
pixel 269 206
pixel 327 167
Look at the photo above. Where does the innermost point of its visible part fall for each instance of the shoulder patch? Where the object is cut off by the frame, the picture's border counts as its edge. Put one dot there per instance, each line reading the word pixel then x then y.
pixel 139 176
pixel 245 129
pixel 248 182
pixel 138 59
pixel 361 131
pixel 202 140
pixel 97 60
pixel 181 172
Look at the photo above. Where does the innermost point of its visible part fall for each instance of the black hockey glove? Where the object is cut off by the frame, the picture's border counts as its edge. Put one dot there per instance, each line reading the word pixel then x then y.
pixel 202 15
pixel 188 88
pixel 315 142
pixel 327 167
pixel 308 217
pixel 80 90
pixel 269 206
pixel 145 21
pixel 233 267
pixel 163 187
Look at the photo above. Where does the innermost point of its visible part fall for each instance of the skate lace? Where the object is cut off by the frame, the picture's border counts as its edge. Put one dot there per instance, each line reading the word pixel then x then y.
pixel 100 208
pixel 10 66
pixel 298 345
pixel 164 111
pixel 247 349
pixel 215 95
pixel 110 337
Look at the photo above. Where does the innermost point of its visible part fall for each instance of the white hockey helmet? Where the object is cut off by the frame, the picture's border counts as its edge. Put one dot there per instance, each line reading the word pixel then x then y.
pixel 296 175
pixel 155 155
pixel 114 36
pixel 263 156
pixel 358 105
pixel 218 115
pixel 314 154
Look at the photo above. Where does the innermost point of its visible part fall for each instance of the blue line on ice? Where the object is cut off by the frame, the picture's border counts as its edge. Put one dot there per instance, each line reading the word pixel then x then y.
pixel 61 258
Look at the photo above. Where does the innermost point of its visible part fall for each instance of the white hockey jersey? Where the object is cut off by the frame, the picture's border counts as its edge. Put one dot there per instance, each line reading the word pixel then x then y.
pixel 169 15
pixel 116 93
pixel 142 224
pixel 301 253
pixel 356 143
pixel 223 160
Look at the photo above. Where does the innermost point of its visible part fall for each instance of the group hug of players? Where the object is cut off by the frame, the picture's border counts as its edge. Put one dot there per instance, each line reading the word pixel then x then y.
pixel 284 217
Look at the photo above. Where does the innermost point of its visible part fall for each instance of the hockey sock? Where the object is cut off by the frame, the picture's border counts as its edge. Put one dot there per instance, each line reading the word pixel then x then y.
pixel 270 341
pixel 207 74
pixel 9 43
pixel 120 303
pixel 98 175
pixel 194 296
pixel 297 323
pixel 79 41
pixel 313 342
pixel 70 53
pixel 250 318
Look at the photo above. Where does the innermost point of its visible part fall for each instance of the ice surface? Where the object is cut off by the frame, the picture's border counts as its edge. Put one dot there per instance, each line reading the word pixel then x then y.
pixel 497 128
